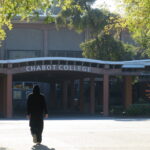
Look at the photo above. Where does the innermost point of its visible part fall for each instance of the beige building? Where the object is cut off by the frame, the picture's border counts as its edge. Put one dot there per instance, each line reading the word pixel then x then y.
pixel 38 53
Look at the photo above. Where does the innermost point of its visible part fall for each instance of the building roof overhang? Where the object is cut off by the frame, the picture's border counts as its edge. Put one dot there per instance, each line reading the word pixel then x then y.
pixel 124 64
pixel 133 67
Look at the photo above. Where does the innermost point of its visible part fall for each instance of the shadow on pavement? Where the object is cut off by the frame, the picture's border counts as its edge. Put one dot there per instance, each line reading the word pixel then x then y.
pixel 83 117
pixel 3 148
pixel 40 147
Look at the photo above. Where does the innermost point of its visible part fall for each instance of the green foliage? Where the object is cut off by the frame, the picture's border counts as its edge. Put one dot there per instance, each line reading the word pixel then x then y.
pixel 102 28
pixel 25 9
pixel 84 18
pixel 95 20
pixel 138 110
pixel 116 110
pixel 137 19
pixel 77 14
pixel 105 47
pixel 130 52
pixel 30 10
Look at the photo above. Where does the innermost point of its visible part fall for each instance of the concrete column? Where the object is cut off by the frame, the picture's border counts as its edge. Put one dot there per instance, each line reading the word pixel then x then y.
pixel 106 94
pixel 53 94
pixel 72 94
pixel 8 96
pixel 65 95
pixel 92 96
pixel 127 91
pixel 81 96
pixel 1 96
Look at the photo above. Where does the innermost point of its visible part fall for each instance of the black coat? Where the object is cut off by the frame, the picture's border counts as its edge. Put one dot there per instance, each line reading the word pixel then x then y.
pixel 36 106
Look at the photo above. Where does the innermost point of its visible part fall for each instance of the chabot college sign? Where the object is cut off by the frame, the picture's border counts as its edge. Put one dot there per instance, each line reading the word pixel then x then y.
pixel 58 68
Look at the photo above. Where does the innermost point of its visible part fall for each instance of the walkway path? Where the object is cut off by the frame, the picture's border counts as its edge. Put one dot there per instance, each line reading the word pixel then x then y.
pixel 83 134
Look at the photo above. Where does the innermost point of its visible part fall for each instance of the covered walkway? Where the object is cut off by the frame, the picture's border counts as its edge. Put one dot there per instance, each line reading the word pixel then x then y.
pixel 50 69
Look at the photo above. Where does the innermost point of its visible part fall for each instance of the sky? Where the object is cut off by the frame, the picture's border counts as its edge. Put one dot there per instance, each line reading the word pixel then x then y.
pixel 110 4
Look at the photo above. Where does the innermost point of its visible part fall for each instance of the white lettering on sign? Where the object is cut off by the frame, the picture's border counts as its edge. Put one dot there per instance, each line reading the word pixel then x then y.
pixel 58 67
pixel 48 67
pixel 43 67
pixel 66 67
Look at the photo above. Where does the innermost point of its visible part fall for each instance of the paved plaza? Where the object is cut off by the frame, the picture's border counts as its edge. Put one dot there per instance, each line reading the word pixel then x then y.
pixel 78 134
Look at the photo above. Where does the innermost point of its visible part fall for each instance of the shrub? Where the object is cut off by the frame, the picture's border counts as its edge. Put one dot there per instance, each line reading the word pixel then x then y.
pixel 138 109
pixel 116 110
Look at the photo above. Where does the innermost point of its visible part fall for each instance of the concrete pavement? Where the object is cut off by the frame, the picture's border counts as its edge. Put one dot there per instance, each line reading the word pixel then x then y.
pixel 78 134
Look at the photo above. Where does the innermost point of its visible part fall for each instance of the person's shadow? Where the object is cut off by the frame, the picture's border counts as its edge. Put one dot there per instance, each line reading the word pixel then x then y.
pixel 3 148
pixel 41 147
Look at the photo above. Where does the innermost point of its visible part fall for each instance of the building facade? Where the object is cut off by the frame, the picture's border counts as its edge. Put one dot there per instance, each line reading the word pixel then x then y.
pixel 28 40
pixel 38 53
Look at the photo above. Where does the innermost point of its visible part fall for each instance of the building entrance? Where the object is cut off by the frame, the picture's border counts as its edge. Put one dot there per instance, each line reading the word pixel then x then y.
pixel 70 83
pixel 63 91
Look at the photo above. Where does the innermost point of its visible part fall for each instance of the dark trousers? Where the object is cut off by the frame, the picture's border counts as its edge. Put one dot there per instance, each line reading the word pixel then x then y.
pixel 36 127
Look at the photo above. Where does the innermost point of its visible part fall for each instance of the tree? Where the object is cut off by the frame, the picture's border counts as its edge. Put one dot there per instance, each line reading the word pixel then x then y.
pixel 101 42
pixel 75 17
pixel 76 14
pixel 105 47
pixel 137 19
pixel 27 10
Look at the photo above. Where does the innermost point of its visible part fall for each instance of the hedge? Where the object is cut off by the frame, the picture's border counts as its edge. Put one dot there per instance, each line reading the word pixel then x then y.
pixel 138 110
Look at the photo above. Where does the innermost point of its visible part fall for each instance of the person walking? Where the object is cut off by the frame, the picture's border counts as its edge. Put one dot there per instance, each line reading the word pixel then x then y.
pixel 36 112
